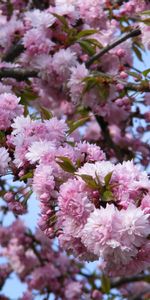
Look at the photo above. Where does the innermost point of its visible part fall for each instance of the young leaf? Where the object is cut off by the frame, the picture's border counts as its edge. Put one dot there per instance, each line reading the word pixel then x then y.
pixel 105 281
pixel 61 19
pixel 46 114
pixel 27 176
pixel 145 12
pixel 89 181
pixel 86 32
pixel 95 42
pixel 108 178
pixel 77 124
pixel 66 164
pixel 146 72
pixel 138 53
pixel 86 46
pixel 134 74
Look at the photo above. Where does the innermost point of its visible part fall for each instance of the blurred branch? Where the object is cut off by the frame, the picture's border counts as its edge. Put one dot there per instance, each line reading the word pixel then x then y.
pixel 130 279
pixel 142 87
pixel 18 73
pixel 133 33
pixel 119 152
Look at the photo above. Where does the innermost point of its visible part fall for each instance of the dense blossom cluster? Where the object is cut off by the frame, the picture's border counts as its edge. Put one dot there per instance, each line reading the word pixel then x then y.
pixel 104 213
pixel 57 43
pixel 74 125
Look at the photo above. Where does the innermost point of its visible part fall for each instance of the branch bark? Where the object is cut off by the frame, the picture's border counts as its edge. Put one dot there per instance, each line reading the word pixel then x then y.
pixel 133 33
pixel 18 73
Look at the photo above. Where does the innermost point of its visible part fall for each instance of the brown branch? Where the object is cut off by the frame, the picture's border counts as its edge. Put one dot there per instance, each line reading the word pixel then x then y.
pixel 142 87
pixel 120 153
pixel 133 33
pixel 125 280
pixel 18 73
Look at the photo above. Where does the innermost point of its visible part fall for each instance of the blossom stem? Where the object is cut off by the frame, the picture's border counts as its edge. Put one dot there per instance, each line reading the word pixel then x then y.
pixel 133 33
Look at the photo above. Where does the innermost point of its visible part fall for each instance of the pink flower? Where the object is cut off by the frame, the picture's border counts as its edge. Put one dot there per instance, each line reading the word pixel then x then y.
pixel 73 290
pixel 65 7
pixel 62 61
pixel 70 240
pixel 115 235
pixel 4 160
pixel 92 14
pixel 39 19
pixel 129 181
pixel 57 129
pixel 74 201
pixel 145 204
pixel 43 181
pixel 9 109
pixel 36 42
pixel 92 152
pixel 76 83
pixel 39 149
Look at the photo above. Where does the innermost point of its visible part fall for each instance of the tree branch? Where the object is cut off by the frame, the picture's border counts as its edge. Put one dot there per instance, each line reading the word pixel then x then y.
pixel 142 87
pixel 130 279
pixel 18 73
pixel 133 33
pixel 120 153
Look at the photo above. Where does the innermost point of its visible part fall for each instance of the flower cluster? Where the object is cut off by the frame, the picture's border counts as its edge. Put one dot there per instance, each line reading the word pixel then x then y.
pixel 74 125
pixel 104 212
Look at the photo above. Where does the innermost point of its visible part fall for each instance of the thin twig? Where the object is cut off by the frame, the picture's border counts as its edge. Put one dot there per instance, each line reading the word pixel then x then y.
pixel 122 39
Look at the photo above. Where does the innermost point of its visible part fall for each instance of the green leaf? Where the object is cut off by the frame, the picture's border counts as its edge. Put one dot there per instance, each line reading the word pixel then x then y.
pixel 90 83
pixel 61 19
pixel 134 74
pixel 145 12
pixel 89 181
pixel 66 164
pixel 108 178
pixel 105 281
pixel 77 124
pixel 2 136
pixel 46 114
pixel 95 43
pixel 103 90
pixel 86 32
pixel 138 53
pixel 146 72
pixel 27 96
pixel 86 46
pixel 27 175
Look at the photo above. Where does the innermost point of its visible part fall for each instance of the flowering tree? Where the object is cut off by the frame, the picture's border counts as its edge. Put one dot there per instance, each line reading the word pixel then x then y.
pixel 74 122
